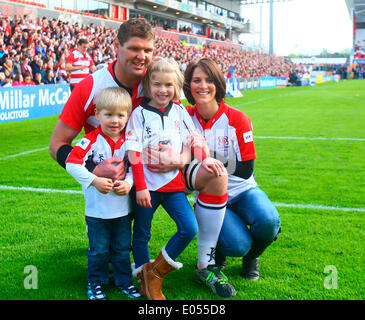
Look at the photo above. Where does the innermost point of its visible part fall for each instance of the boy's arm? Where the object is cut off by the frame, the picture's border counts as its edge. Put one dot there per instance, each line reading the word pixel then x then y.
pixel 80 174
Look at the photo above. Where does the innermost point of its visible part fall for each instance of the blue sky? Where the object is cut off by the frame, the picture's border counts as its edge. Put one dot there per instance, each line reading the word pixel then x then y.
pixel 302 26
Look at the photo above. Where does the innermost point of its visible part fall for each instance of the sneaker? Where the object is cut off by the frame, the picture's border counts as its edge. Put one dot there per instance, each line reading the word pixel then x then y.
pixel 215 279
pixel 250 269
pixel 95 292
pixel 131 292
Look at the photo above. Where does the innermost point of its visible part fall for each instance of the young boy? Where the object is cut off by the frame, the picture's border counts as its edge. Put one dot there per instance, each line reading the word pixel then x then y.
pixel 107 204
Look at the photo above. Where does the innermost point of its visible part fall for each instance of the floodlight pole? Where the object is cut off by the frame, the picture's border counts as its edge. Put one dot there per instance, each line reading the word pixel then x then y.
pixel 271 43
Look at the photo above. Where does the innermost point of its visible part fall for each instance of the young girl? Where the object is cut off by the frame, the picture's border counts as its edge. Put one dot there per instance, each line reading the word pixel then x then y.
pixel 156 122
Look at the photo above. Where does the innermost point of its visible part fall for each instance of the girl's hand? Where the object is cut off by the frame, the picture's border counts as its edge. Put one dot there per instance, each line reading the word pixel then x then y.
pixel 144 198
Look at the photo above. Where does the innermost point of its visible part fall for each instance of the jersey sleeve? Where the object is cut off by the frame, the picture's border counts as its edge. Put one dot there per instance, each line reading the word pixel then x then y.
pixel 244 145
pixel 134 132
pixel 81 151
pixel 74 113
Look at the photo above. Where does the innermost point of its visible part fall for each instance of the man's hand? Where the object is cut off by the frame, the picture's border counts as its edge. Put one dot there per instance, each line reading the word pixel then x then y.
pixel 103 185
pixel 112 168
pixel 163 159
pixel 143 198
pixel 121 188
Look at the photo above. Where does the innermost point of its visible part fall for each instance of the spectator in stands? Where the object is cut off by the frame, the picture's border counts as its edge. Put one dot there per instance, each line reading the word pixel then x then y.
pixel 38 67
pixel 28 80
pixel 38 79
pixel 18 80
pixel 50 77
pixel 79 63
pixel 25 67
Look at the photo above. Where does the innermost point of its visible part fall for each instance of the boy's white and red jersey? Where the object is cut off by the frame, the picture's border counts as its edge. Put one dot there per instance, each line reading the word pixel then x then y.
pixel 99 147
pixel 79 110
pixel 149 127
pixel 76 58
pixel 229 135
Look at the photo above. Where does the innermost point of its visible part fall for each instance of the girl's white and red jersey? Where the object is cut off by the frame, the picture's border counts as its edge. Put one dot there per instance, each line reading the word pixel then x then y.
pixel 229 135
pixel 76 58
pixel 79 110
pixel 99 147
pixel 149 127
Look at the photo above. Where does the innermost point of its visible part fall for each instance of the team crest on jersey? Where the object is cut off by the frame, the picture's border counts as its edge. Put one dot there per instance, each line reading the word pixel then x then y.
pixel 83 143
pixel 222 143
pixel 248 136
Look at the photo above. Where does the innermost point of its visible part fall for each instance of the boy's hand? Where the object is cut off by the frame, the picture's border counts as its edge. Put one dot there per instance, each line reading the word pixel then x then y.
pixel 143 198
pixel 121 188
pixel 103 185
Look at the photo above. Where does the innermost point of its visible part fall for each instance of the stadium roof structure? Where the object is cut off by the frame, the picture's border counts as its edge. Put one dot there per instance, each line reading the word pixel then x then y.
pixel 357 12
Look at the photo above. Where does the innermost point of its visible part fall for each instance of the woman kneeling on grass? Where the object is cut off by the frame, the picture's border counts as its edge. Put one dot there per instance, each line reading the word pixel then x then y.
pixel 228 133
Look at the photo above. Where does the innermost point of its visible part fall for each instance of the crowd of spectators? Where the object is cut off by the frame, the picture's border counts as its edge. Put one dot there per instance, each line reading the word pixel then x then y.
pixel 245 63
pixel 34 52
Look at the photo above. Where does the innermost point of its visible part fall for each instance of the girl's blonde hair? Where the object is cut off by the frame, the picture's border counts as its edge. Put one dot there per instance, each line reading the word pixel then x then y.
pixel 163 65
pixel 113 98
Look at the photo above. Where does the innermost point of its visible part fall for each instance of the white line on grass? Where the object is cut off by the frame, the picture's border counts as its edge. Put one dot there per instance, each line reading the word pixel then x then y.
pixel 191 198
pixel 23 153
pixel 310 138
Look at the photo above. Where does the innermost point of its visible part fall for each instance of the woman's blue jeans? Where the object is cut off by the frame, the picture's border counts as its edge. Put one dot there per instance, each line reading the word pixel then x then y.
pixel 254 209
pixel 179 209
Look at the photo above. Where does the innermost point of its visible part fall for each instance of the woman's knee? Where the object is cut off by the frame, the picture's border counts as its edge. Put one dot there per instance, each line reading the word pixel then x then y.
pixel 235 249
pixel 209 183
pixel 267 226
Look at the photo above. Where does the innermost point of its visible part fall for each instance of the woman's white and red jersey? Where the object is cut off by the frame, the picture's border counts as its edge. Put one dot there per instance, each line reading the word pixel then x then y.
pixel 229 135
pixel 149 127
pixel 79 110
pixel 76 58
pixel 99 147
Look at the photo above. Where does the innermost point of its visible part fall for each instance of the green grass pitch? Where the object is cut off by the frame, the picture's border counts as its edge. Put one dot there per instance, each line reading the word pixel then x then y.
pixel 310 143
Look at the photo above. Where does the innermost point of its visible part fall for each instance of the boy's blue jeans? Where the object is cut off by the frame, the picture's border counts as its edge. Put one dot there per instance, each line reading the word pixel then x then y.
pixel 179 209
pixel 251 208
pixel 109 238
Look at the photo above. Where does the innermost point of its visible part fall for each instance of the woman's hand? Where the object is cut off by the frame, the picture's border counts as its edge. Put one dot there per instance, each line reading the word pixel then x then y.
pixel 214 166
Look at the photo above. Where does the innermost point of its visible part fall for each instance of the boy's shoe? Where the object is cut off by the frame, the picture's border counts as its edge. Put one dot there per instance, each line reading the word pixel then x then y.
pixel 131 292
pixel 95 292
pixel 214 278
pixel 250 269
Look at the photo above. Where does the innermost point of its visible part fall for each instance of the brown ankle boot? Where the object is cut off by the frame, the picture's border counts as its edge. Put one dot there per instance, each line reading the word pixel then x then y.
pixel 155 272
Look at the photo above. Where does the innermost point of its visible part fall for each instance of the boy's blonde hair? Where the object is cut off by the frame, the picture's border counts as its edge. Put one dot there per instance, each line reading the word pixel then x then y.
pixel 160 64
pixel 113 98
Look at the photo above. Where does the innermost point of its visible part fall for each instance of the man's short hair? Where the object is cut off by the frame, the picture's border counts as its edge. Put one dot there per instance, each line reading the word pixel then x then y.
pixel 211 68
pixel 135 27
pixel 82 41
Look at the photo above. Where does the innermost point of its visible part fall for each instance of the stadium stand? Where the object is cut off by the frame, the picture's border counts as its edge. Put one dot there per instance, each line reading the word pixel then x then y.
pixel 24 41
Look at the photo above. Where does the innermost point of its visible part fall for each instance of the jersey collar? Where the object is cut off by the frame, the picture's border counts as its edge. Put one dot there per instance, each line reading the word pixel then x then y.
pixel 208 125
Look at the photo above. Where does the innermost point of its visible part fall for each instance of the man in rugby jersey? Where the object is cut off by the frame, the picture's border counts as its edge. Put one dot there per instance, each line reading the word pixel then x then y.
pixel 79 63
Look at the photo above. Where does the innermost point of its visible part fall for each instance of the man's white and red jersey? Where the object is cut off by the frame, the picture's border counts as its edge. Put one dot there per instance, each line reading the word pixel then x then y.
pixel 149 127
pixel 229 135
pixel 76 58
pixel 79 110
pixel 98 147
